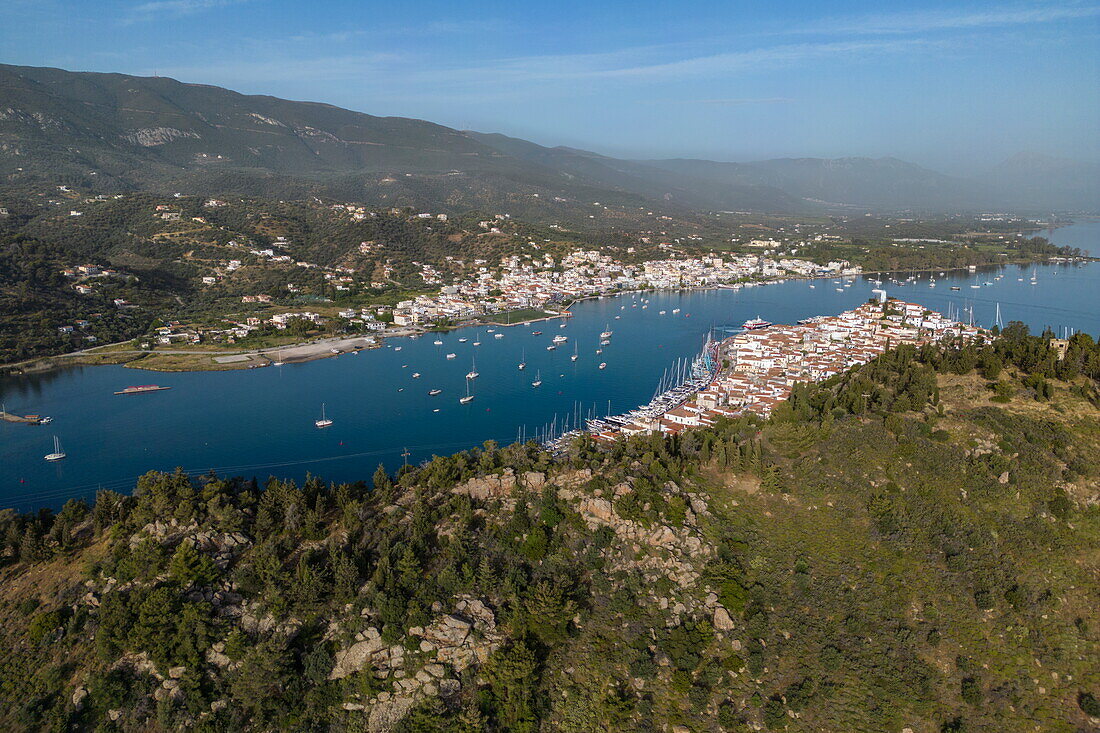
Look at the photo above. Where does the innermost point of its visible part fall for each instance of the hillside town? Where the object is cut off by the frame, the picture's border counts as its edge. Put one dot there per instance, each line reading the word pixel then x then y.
pixel 755 370
pixel 525 283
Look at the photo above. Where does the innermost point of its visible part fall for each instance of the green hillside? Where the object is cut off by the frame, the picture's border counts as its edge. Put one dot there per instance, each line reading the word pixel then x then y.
pixel 909 546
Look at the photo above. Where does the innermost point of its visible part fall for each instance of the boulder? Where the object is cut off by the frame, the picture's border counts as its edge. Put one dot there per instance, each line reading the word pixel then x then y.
pixel 354 658
pixel 78 697
pixel 722 620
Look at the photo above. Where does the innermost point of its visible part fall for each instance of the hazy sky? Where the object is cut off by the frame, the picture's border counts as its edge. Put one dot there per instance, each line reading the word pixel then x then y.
pixel 946 84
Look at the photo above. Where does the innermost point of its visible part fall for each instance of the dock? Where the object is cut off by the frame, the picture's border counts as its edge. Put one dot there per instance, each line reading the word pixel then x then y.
pixel 25 419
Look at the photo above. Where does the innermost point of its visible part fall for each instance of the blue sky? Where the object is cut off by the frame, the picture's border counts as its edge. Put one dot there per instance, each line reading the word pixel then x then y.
pixel 947 84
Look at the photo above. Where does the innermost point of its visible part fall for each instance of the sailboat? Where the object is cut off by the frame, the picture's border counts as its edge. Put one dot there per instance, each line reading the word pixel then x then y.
pixel 280 361
pixel 538 380
pixel 606 331
pixel 523 360
pixel 477 339
pixel 575 355
pixel 468 398
pixel 472 374
pixel 57 454
pixel 324 422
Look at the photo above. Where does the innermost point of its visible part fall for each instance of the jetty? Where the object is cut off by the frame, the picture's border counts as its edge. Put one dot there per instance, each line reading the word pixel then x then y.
pixel 25 419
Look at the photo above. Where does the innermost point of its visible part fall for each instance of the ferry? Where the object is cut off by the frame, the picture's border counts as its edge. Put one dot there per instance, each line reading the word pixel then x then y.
pixel 434 392
pixel 57 454
pixel 450 356
pixel 324 422
pixel 755 324
pixel 142 388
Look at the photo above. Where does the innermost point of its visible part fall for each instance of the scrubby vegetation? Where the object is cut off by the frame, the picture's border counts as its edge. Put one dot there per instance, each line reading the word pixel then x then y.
pixel 896 548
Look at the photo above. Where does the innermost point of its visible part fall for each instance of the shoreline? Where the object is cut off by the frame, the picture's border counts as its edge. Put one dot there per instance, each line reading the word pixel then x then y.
pixel 323 348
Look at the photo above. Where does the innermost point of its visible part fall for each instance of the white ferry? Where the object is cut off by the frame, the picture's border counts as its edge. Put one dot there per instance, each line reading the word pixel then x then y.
pixel 754 324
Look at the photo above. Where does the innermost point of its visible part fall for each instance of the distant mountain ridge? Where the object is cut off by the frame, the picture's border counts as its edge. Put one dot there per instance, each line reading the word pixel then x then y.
pixel 114 131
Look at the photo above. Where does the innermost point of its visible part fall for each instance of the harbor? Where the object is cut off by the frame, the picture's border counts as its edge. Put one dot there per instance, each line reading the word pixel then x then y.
pixel 209 420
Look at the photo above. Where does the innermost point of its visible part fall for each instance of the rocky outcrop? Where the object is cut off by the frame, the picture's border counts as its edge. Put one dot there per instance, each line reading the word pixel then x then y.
pixel 451 644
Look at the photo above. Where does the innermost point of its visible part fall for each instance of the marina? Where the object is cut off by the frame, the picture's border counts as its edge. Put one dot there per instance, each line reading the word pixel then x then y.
pixel 207 420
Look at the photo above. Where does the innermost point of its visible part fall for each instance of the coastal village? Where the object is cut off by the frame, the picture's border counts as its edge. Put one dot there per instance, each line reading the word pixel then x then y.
pixel 760 365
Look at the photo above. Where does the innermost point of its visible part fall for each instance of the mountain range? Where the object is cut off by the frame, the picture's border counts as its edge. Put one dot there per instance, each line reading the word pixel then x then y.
pixel 117 132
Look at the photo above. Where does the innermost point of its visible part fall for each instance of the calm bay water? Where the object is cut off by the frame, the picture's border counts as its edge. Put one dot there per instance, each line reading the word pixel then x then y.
pixel 260 422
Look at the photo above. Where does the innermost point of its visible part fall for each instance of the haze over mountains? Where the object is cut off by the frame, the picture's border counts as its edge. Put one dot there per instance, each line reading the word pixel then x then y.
pixel 119 132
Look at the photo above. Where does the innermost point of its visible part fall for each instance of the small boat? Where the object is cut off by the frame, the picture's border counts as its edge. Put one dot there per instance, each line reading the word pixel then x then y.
pixel 551 347
pixel 603 365
pixel 660 313
pixel 536 333
pixel 675 310
pixel 450 356
pixel 617 317
pixel 436 410
pixel 438 342
pixel 142 388
pixel 575 355
pixel 812 286
pixel 840 290
pixel 324 422
pixel 434 392
pixel 468 398
pixel 463 340
pixel 498 335
pixel 416 375
pixel 955 287
pixel 599 351
pixel 45 420
pixel 489 330
pixel 57 454
pixel 397 348
pixel 562 325
pixel 538 380
pixel 605 342
pixel 975 287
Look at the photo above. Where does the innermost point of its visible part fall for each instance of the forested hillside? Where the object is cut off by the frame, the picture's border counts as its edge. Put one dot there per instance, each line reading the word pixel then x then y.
pixel 911 545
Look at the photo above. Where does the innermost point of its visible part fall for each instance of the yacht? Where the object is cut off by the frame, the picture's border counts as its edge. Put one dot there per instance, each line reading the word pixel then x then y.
pixel 57 454
pixel 324 422
pixel 538 380
pixel 438 342
pixel 468 398
pixel 559 339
